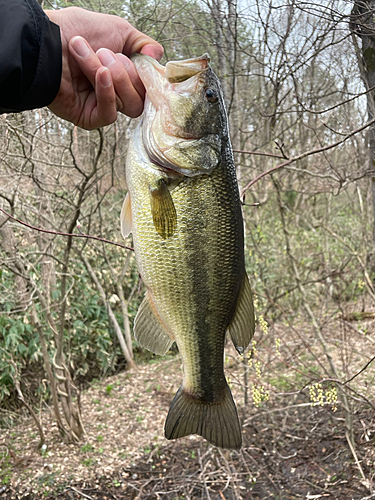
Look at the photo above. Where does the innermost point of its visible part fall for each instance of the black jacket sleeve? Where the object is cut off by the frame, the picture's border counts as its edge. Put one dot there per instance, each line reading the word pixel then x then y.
pixel 30 56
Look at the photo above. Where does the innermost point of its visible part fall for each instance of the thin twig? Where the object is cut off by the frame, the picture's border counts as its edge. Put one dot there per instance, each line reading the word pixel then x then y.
pixel 258 153
pixel 203 475
pixel 360 371
pixel 81 235
pixel 355 456
pixel 80 492
pixel 322 111
pixel 305 154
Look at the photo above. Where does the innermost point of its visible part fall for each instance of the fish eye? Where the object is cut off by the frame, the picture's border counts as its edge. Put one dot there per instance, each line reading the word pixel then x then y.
pixel 211 95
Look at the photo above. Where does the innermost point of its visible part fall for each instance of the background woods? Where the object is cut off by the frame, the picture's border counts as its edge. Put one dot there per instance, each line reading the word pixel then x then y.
pixel 299 82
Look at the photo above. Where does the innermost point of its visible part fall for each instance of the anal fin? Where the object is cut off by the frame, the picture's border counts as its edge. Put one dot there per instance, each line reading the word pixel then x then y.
pixel 242 327
pixel 149 329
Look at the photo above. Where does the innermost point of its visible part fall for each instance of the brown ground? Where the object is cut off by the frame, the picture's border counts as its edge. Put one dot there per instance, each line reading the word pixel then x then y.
pixel 291 449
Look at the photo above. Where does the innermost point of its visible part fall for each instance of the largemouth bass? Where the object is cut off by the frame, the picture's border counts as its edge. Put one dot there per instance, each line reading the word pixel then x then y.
pixel 184 210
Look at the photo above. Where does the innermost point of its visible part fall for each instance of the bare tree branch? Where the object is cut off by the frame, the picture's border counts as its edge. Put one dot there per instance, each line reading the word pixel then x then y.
pixel 58 233
pixel 306 154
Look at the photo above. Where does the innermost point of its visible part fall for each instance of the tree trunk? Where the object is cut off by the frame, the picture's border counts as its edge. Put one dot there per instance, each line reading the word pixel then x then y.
pixel 362 25
pixel 9 244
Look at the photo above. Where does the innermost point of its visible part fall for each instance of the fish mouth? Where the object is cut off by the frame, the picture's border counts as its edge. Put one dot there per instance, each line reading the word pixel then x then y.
pixel 180 77
pixel 171 92
pixel 172 72
pixel 180 71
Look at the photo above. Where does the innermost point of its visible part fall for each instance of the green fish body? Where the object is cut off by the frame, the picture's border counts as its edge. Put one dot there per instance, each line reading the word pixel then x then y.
pixel 184 210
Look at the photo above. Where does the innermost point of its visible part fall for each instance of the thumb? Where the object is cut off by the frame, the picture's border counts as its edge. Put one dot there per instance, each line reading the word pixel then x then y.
pixel 154 50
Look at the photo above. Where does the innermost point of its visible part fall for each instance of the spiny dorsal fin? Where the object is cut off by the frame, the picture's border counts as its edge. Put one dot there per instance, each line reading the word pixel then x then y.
pixel 150 330
pixel 126 217
pixel 242 327
pixel 163 210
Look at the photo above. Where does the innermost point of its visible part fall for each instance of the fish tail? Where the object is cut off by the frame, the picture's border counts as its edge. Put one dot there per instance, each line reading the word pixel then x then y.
pixel 217 421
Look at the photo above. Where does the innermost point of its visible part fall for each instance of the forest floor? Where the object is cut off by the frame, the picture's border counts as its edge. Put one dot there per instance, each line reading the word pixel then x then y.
pixel 290 451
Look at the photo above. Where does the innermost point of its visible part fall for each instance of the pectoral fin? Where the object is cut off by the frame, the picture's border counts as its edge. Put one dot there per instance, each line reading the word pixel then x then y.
pixel 241 329
pixel 126 217
pixel 150 330
pixel 163 210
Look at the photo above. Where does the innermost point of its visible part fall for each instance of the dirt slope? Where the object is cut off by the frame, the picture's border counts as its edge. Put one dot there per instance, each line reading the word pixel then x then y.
pixel 296 452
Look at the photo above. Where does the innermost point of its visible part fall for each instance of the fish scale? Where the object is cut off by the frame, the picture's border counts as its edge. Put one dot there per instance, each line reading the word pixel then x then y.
pixel 188 240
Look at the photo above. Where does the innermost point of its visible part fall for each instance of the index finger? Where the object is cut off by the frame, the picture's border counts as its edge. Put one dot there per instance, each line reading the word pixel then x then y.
pixel 88 61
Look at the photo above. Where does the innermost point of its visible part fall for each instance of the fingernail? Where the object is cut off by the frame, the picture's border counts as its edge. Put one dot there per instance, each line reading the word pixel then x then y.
pixel 106 57
pixel 81 47
pixel 125 60
pixel 105 78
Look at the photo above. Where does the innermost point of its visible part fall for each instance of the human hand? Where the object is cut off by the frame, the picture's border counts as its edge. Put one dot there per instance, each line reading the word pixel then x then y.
pixel 98 78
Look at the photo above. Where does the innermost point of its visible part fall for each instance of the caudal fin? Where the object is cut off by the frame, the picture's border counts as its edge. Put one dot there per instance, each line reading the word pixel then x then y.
pixel 217 421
